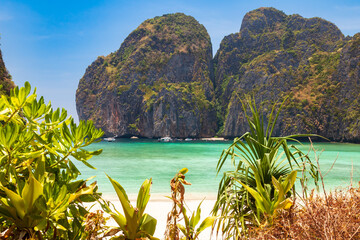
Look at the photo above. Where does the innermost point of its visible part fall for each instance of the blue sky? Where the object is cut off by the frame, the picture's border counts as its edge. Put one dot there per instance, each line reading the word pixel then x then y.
pixel 50 43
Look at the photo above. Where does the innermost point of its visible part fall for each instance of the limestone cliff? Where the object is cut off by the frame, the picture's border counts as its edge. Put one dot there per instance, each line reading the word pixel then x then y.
pixel 163 80
pixel 275 55
pixel 159 83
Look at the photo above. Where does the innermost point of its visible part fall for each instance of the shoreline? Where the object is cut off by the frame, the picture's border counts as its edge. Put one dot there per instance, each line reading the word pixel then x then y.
pixel 211 139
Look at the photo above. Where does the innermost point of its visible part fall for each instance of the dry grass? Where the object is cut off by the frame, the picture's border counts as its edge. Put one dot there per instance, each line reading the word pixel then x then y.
pixel 172 231
pixel 333 216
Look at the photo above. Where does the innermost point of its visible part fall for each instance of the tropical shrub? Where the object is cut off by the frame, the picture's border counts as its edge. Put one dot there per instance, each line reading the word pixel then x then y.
pixel 260 161
pixel 267 206
pixel 40 195
pixel 134 224
pixel 332 215
pixel 317 217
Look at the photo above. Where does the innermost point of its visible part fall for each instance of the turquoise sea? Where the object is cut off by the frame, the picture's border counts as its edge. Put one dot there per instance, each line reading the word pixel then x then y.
pixel 130 162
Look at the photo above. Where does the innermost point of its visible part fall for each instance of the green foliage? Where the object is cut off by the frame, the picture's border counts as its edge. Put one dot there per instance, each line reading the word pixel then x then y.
pixel 133 127
pixel 189 230
pixel 266 205
pixel 177 196
pixel 258 158
pixel 173 228
pixel 134 224
pixel 39 191
pixel 123 88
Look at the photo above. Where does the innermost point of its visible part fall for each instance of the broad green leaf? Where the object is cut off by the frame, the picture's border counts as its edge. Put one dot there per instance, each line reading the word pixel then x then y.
pixel 208 222
pixel 258 198
pixel 148 224
pixel 83 191
pixel 88 165
pixel 120 220
pixel 186 218
pixel 17 201
pixel 286 204
pixel 31 191
pixel 291 178
pixel 124 200
pixel 192 218
pixel 41 225
pixel 40 168
pixel 143 196
pixel 8 212
pixel 182 228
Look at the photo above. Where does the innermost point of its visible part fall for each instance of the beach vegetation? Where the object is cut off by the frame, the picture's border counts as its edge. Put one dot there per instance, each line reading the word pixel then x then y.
pixel 177 196
pixel 134 223
pixel 317 217
pixel 267 207
pixel 262 181
pixel 189 230
pixel 178 212
pixel 41 196
pixel 329 215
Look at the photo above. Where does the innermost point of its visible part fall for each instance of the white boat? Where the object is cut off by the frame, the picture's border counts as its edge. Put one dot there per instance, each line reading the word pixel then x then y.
pixel 109 139
pixel 165 139
pixel 188 139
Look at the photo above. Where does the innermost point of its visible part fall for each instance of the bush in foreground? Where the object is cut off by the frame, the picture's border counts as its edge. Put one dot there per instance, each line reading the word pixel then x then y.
pixel 334 216
pixel 40 195
pixel 247 195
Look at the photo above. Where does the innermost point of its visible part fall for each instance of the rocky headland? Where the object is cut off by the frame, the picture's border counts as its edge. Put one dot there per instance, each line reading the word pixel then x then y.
pixel 159 83
pixel 163 80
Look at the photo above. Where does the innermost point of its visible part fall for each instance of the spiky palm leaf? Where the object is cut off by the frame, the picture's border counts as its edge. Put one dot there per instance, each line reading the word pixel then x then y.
pixel 256 152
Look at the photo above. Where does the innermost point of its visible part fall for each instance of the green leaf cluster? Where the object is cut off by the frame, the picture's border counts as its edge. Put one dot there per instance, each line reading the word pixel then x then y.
pixel 40 195
pixel 189 230
pixel 250 194
pixel 134 223
pixel 267 205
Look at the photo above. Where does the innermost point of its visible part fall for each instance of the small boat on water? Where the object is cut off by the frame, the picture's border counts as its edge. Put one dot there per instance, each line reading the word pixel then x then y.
pixel 188 139
pixel 109 139
pixel 165 139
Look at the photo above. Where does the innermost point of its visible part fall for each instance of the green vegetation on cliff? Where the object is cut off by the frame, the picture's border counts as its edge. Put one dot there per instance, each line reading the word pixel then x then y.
pixel 163 80
pixel 157 84
pixel 275 55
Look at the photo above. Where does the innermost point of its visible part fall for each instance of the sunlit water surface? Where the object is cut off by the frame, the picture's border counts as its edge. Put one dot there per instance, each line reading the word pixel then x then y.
pixel 130 162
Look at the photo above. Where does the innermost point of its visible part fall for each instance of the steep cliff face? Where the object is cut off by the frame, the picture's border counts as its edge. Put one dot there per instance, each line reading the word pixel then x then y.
pixel 163 80
pixel 159 83
pixel 275 55
pixel 5 79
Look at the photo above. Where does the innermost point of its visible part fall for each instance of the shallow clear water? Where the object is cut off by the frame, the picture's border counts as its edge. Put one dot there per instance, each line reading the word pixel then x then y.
pixel 130 162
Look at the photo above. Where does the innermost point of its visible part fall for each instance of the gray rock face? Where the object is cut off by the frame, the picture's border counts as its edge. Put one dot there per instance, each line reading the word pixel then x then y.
pixel 309 60
pixel 159 83
pixel 163 80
